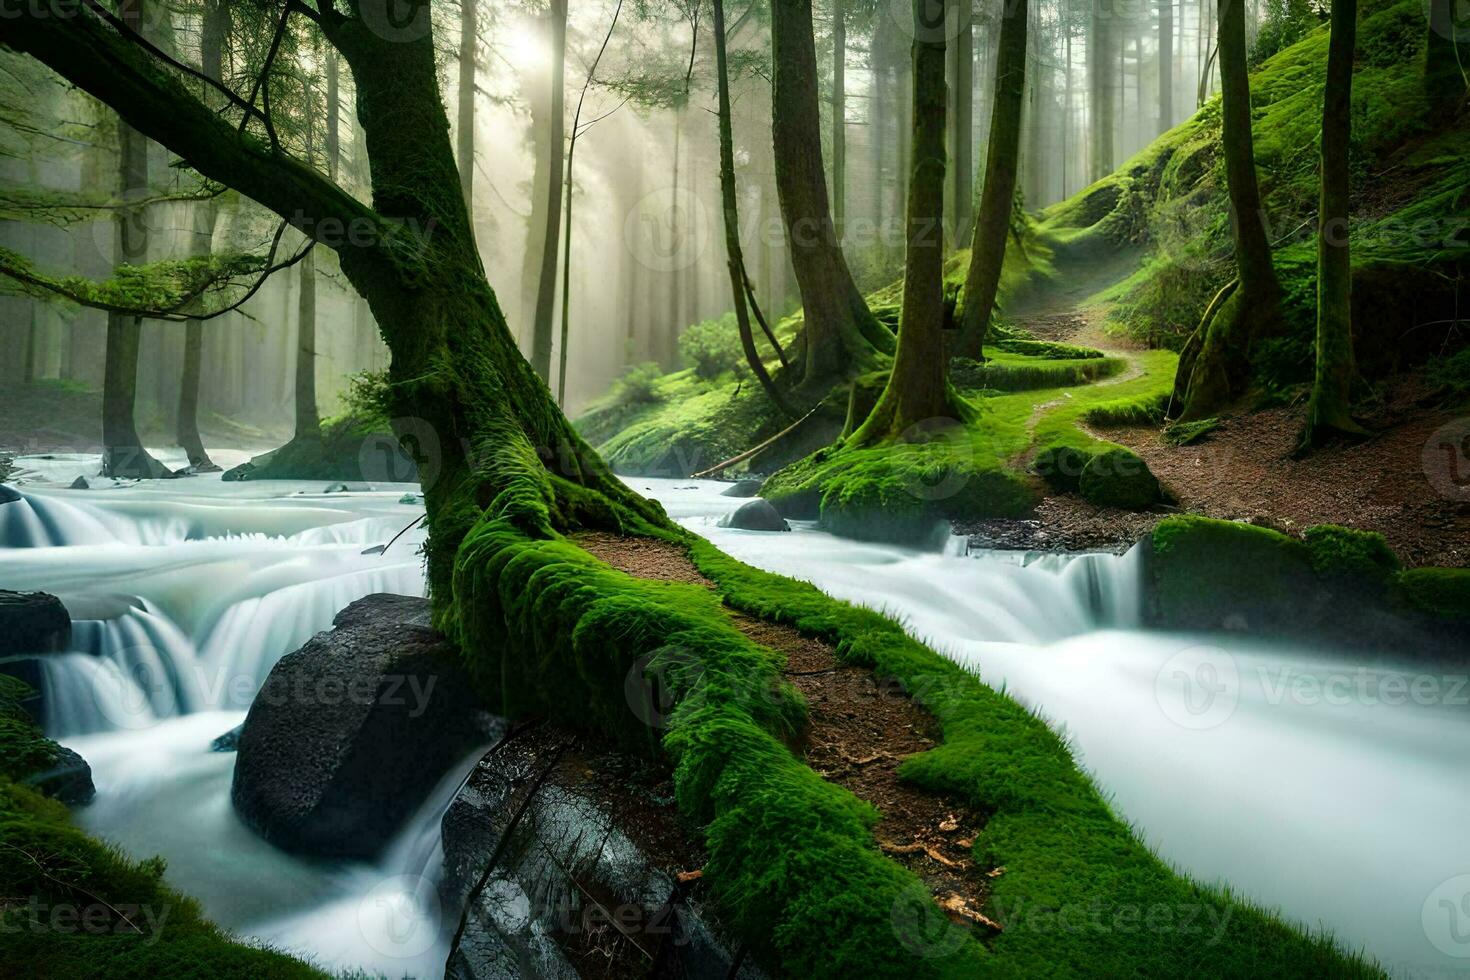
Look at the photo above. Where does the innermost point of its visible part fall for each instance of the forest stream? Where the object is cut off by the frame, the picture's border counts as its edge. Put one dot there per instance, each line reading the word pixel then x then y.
pixel 197 587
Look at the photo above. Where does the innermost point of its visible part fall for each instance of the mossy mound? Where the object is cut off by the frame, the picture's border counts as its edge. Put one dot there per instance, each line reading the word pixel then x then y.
pixel 349 448
pixel 79 908
pixel 1119 478
pixel 1061 467
pixel 1334 585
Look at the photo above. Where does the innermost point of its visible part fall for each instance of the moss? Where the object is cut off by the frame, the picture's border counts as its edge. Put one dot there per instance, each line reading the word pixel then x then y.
pixel 1209 574
pixel 1189 433
pixel 1017 374
pixel 1345 554
pixel 350 447
pixel 1443 593
pixel 1061 467
pixel 24 751
pixel 1047 349
pixel 1119 478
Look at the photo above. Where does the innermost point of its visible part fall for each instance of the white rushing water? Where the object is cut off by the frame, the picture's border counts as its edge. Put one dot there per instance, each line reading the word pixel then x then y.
pixel 1307 780
pixel 1324 784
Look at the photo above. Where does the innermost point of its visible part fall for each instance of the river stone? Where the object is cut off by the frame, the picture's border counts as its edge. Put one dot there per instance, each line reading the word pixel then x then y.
pixel 69 780
pixel 32 622
pixel 757 515
pixel 9 496
pixel 742 488
pixel 350 733
pixel 229 741
pixel 80 483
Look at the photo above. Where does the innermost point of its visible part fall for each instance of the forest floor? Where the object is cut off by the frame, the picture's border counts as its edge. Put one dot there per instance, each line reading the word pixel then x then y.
pixel 1244 470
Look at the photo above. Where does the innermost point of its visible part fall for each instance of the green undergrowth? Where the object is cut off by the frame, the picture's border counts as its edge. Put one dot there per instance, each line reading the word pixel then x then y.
pixel 954 471
pixel 1333 582
pixel 1410 172
pixel 69 898
pixel 658 666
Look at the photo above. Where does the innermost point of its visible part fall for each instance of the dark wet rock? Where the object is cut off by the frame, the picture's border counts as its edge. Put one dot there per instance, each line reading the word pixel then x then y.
pixel 8 496
pixel 350 733
pixel 408 498
pixel 376 549
pixel 757 515
pixel 568 843
pixel 229 741
pixel 336 488
pixel 32 622
pixel 742 488
pixel 68 780
pixel 237 474
pixel 80 483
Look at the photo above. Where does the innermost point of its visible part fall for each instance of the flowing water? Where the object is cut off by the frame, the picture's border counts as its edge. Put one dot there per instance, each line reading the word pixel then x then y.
pixel 1306 780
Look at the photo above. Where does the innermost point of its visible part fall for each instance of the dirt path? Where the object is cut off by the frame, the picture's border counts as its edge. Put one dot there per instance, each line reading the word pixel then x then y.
pixel 861 729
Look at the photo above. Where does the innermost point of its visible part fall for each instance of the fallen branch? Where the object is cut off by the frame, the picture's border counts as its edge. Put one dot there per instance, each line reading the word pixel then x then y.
pixel 718 467
pixel 888 847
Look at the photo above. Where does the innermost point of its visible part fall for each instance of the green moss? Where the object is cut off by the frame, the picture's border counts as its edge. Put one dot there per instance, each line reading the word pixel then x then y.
pixel 1189 433
pixel 1119 478
pixel 1209 574
pixel 1347 554
pixel 1016 373
pixel 1443 593
pixel 1061 467
pixel 1047 349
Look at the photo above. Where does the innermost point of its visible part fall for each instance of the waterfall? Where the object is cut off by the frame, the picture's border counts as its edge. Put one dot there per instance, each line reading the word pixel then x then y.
pixel 84 694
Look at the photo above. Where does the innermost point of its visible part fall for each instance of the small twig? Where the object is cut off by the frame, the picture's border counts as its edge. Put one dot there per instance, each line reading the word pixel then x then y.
pixel 57 881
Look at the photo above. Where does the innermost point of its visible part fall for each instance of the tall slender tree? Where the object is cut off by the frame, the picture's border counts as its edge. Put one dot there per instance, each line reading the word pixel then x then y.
pixel 1328 410
pixel 997 197
pixel 1102 55
pixel 918 388
pixel 730 208
pixel 469 63
pixel 840 335
pixel 962 122
pixel 839 116
pixel 123 454
pixel 1166 64
pixel 542 330
pixel 1214 364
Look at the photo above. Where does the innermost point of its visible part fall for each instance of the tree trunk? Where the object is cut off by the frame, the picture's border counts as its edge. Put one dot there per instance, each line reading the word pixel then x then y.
pixel 123 454
pixel 918 388
pixel 841 336
pixel 1328 409
pixel 1221 370
pixel 1101 50
pixel 469 62
pixel 993 225
pixel 735 258
pixel 308 422
pixel 543 328
pixel 961 138
pixel 839 117
pixel 1166 64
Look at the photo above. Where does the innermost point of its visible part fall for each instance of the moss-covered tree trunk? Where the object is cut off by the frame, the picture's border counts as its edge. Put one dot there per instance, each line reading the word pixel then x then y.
pixel 1328 409
pixel 730 209
pixel 542 329
pixel 918 388
pixel 840 334
pixel 1220 371
pixel 993 224
pixel 123 454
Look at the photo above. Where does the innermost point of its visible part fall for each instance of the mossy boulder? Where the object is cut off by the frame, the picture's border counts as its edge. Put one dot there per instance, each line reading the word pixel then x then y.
pixel 1209 574
pixel 1441 593
pixel 348 448
pixel 32 622
pixel 1119 478
pixel 1061 467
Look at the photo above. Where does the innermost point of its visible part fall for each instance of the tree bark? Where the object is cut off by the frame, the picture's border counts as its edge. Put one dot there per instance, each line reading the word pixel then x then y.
pixel 123 454
pixel 1329 407
pixel 1221 370
pixel 839 117
pixel 1447 55
pixel 729 205
pixel 308 421
pixel 993 225
pixel 918 387
pixel 962 100
pixel 840 335
pixel 542 331
pixel 1166 64
pixel 469 63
